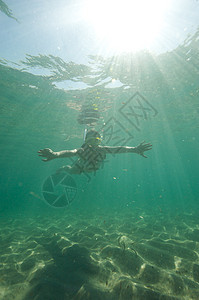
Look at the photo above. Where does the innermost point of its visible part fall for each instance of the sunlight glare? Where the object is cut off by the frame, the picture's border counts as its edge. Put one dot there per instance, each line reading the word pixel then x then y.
pixel 126 25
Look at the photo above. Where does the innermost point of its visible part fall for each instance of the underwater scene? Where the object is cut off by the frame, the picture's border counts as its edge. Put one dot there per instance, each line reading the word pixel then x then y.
pixel 99 140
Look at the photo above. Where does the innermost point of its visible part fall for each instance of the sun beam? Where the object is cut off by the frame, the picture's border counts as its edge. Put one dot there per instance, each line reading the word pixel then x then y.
pixel 126 25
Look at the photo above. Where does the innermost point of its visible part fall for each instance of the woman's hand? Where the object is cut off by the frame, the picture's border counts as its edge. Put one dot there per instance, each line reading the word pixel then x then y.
pixel 141 148
pixel 48 153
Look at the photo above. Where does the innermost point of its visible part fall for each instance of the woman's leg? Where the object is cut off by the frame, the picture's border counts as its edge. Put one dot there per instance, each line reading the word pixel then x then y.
pixel 71 170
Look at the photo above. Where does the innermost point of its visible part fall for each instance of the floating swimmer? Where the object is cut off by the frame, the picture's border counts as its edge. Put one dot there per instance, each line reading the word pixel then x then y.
pixel 91 155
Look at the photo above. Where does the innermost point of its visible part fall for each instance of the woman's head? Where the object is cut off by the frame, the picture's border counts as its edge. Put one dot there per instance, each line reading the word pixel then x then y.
pixel 93 138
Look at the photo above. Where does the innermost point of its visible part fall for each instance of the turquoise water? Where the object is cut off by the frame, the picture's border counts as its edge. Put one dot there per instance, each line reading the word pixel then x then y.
pixel 35 114
pixel 131 230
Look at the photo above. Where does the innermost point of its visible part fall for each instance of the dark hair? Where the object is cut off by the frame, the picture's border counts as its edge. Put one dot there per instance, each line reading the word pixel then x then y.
pixel 92 133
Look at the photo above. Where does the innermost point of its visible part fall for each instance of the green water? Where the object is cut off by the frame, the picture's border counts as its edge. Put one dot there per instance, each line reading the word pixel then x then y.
pixel 131 231
pixel 35 114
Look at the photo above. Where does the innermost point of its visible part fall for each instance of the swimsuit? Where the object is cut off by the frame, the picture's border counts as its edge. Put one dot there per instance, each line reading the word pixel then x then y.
pixel 90 159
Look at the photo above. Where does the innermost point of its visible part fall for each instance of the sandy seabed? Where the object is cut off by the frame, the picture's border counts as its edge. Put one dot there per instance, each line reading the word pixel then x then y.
pixel 118 255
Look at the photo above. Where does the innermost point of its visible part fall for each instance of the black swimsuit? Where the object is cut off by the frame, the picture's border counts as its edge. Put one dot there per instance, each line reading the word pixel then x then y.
pixel 91 158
